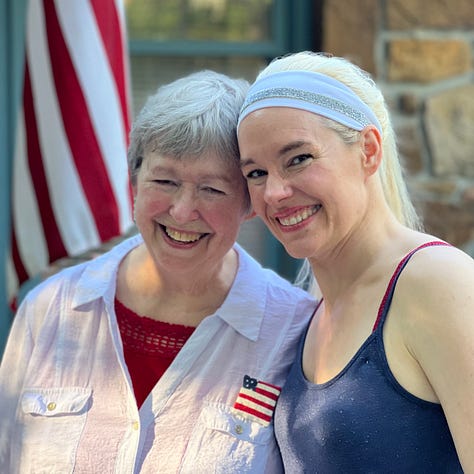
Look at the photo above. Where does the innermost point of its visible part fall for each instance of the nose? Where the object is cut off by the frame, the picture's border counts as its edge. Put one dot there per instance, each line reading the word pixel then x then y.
pixel 276 189
pixel 183 209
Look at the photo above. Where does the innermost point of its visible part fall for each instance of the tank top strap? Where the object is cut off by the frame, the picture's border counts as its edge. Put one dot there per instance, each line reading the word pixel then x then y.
pixel 387 298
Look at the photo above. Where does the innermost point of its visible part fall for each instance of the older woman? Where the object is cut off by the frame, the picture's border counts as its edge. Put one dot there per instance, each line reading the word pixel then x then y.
pixel 166 353
pixel 384 378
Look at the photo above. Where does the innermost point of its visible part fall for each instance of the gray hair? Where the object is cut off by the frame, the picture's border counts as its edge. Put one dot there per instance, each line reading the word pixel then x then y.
pixel 188 117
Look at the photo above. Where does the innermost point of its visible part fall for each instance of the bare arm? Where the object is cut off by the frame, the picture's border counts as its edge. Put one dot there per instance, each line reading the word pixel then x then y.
pixel 442 339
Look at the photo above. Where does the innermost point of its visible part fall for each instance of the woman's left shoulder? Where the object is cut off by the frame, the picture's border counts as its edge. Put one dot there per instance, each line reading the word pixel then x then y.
pixel 440 263
pixel 438 278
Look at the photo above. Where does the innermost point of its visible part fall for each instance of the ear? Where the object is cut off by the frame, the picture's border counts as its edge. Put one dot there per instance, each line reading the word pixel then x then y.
pixel 371 145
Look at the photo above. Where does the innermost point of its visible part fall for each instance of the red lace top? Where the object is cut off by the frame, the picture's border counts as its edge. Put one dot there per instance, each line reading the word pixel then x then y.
pixel 149 347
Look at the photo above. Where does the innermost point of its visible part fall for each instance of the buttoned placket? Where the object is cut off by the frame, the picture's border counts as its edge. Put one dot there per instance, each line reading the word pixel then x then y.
pixel 128 452
pixel 182 364
pixel 140 419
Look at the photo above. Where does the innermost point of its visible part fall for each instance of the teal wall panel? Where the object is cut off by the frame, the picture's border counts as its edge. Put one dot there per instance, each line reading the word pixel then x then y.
pixel 12 16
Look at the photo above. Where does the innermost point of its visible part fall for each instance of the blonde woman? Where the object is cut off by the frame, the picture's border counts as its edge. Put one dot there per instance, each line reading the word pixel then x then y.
pixel 384 377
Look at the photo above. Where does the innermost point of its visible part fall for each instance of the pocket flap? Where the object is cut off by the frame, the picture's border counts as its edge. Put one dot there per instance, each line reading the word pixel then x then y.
pixel 55 401
pixel 221 418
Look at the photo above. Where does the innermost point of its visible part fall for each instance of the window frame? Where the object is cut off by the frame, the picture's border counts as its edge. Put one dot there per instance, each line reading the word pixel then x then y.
pixel 291 24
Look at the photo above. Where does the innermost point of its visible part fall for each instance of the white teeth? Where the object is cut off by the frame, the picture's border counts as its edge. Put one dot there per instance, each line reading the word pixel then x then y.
pixel 297 218
pixel 183 236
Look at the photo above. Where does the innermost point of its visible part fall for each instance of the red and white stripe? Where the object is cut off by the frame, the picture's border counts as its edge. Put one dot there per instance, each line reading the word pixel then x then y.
pixel 70 179
pixel 257 404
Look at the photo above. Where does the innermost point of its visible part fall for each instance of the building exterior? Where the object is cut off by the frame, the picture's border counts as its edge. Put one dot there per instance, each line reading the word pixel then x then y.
pixel 421 54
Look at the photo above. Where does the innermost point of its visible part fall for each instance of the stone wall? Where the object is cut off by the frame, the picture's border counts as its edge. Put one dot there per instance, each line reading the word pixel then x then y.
pixel 421 54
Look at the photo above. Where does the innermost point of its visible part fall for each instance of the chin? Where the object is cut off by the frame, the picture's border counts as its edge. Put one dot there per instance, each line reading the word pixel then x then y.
pixel 296 252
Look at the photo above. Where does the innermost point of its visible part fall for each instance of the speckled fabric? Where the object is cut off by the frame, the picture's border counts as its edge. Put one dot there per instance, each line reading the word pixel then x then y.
pixel 362 421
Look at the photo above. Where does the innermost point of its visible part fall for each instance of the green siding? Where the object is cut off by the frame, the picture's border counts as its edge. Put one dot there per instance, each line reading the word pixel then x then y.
pixel 12 15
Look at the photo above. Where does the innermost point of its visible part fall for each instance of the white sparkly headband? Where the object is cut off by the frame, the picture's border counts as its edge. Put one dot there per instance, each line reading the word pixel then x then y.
pixel 313 92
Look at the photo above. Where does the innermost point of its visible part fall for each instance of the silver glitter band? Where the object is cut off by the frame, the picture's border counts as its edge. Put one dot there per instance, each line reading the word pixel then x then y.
pixel 311 91
pixel 312 97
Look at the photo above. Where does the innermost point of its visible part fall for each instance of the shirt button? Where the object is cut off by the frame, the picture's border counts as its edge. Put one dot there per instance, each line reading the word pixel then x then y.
pixel 238 429
pixel 135 425
pixel 51 406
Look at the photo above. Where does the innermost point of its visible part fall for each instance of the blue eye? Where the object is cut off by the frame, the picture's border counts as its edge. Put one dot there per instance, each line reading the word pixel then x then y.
pixel 297 160
pixel 254 174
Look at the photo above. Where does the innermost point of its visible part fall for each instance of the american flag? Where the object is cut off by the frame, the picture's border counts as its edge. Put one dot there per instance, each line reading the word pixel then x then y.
pixel 256 400
pixel 70 178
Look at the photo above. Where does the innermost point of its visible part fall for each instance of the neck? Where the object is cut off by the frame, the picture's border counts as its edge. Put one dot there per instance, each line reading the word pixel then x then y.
pixel 357 259
pixel 178 298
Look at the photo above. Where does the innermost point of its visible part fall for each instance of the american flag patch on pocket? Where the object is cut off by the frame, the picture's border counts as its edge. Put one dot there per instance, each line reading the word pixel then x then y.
pixel 256 400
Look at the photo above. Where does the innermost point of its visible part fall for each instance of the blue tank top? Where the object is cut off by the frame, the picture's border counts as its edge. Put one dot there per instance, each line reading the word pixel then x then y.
pixel 363 420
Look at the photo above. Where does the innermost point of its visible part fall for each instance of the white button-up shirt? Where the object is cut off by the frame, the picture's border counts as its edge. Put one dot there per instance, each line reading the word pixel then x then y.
pixel 67 403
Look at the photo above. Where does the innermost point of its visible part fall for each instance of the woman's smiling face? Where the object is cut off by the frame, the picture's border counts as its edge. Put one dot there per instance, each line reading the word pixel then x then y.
pixel 189 210
pixel 304 181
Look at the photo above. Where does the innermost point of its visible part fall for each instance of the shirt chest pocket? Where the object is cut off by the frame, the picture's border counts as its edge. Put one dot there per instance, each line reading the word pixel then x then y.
pixel 225 443
pixel 51 423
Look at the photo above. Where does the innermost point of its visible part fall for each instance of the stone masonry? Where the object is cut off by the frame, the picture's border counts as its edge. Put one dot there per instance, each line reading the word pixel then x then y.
pixel 421 55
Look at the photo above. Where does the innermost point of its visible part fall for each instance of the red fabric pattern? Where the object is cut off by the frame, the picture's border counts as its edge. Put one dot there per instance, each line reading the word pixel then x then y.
pixel 149 347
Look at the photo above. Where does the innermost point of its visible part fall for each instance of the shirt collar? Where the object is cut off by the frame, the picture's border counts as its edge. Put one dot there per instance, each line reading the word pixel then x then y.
pixel 243 309
pixel 99 279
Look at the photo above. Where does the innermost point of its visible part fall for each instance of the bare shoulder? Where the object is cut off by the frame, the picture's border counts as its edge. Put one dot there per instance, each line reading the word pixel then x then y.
pixel 435 296
pixel 435 299
pixel 436 292
pixel 438 272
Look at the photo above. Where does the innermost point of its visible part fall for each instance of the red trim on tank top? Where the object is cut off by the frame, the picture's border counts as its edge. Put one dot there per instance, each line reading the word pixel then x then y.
pixel 396 274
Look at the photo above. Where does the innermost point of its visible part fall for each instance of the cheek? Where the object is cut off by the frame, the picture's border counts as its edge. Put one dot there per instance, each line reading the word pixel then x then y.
pixel 151 203
pixel 225 219
pixel 256 197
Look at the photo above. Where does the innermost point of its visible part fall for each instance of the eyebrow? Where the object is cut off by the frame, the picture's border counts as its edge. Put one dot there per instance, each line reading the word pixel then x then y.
pixel 292 146
pixel 282 151
pixel 204 177
pixel 217 177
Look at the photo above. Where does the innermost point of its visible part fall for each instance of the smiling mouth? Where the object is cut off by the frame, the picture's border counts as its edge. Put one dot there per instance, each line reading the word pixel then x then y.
pixel 298 217
pixel 182 237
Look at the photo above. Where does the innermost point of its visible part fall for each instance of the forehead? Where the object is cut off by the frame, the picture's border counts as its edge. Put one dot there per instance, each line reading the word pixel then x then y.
pixel 277 125
pixel 278 119
pixel 209 165
pixel 282 115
